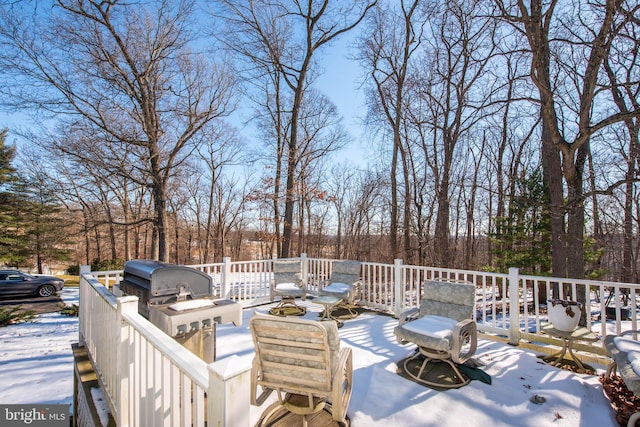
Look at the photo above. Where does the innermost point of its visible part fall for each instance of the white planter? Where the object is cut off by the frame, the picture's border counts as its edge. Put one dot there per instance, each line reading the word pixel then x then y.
pixel 564 315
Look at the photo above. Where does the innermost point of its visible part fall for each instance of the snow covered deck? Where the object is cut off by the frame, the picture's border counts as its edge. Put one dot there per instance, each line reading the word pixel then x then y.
pixel 37 367
pixel 381 397
pixel 143 372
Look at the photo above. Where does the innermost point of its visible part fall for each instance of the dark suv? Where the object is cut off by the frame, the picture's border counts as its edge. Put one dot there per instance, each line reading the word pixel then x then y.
pixel 15 282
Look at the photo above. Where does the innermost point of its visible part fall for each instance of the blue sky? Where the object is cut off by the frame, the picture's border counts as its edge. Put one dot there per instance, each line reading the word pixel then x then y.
pixel 341 81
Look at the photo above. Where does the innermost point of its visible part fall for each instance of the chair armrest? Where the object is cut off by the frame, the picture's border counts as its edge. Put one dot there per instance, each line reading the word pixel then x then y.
pixel 408 316
pixel 464 332
pixel 342 385
pixel 345 363
pixel 629 332
pixel 357 293
pixel 323 283
pixel 303 285
pixel 256 376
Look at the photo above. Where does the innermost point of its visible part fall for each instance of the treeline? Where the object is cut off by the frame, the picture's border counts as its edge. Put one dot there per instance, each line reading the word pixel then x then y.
pixel 499 133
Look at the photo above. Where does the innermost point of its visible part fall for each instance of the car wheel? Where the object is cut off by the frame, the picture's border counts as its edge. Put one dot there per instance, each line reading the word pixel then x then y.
pixel 46 291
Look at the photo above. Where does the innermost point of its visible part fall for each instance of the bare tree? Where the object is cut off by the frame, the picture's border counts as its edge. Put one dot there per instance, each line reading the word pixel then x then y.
pixel 321 134
pixel 458 94
pixel 221 150
pixel 282 39
pixel 123 73
pixel 365 214
pixel 568 82
pixel 337 185
pixel 386 47
pixel 623 72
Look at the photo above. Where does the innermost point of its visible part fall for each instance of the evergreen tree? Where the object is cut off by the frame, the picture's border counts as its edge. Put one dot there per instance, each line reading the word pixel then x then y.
pixel 12 238
pixel 523 237
pixel 7 154
pixel 33 230
pixel 46 224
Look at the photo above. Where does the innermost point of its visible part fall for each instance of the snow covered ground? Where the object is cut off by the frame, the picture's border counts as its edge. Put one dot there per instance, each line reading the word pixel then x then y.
pixel 36 367
pixel 36 362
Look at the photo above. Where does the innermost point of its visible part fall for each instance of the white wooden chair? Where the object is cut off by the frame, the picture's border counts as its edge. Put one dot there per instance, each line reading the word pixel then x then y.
pixel 288 285
pixel 302 361
pixel 442 329
pixel 344 283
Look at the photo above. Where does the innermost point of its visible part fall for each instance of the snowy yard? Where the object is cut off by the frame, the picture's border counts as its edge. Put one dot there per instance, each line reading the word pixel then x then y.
pixel 36 363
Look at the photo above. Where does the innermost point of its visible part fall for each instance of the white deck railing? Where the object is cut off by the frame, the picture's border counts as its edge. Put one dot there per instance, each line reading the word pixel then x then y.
pixel 142 372
pixel 506 303
pixel 149 379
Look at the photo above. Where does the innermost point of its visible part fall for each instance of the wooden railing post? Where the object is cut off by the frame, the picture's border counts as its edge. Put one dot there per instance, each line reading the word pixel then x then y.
pixel 126 305
pixel 398 290
pixel 225 292
pixel 514 306
pixel 228 395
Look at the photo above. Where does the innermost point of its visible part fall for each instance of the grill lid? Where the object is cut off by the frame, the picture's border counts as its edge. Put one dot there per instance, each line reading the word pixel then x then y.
pixel 163 279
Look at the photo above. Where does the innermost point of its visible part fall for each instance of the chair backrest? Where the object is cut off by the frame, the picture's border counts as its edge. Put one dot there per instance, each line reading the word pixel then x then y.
pixel 295 355
pixel 287 271
pixel 345 271
pixel 448 298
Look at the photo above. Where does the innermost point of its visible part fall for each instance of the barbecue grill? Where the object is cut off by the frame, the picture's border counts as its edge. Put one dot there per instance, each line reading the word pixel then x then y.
pixel 178 300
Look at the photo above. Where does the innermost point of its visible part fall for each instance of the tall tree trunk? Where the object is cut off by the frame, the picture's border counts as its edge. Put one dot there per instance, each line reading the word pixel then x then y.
pixel 289 200
pixel 552 179
pixel 443 246
pixel 127 229
pixel 408 201
pixel 575 218
pixel 627 273
pixel 393 221
pixel 160 206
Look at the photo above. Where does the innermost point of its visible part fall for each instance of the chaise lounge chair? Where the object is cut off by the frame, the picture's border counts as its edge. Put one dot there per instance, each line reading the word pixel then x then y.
pixel 624 350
